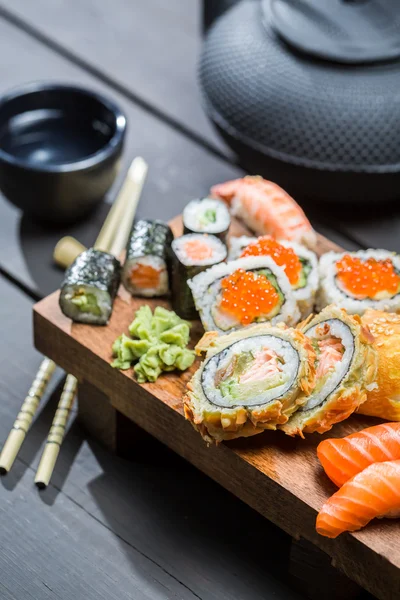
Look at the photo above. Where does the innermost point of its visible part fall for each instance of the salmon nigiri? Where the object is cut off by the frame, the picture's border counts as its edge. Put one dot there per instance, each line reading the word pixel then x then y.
pixel 375 492
pixel 343 458
pixel 267 209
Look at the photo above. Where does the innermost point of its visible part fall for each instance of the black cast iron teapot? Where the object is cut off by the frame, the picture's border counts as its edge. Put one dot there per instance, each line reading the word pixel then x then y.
pixel 307 92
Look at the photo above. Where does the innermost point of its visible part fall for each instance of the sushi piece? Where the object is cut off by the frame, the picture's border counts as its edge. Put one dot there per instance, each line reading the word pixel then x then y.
pixel 242 292
pixel 192 254
pixel 90 286
pixel 207 216
pixel 360 280
pixel 299 264
pixel 145 272
pixel 383 397
pixel 346 366
pixel 266 209
pixel 375 492
pixel 250 380
pixel 343 458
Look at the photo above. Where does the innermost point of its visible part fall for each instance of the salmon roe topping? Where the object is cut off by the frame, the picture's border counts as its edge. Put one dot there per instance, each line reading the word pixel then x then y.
pixel 198 250
pixel 246 296
pixel 284 257
pixel 367 278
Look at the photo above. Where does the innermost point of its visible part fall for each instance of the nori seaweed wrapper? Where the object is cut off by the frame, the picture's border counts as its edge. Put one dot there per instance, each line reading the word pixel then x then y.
pixel 95 268
pixel 149 238
pixel 181 295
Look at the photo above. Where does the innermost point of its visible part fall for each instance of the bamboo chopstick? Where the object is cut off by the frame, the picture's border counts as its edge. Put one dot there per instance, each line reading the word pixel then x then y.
pixel 127 202
pixel 25 416
pixel 68 248
pixel 56 433
pixel 134 184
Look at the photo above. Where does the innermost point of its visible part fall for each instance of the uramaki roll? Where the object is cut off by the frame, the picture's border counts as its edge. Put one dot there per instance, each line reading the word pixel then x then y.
pixel 383 396
pixel 345 368
pixel 250 380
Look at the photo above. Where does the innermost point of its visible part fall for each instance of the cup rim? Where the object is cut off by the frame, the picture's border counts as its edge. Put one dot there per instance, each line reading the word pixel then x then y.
pixel 87 162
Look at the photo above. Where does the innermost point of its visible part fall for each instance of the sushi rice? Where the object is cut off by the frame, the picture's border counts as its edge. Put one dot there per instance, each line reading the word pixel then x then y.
pixel 331 292
pixel 207 216
pixel 206 289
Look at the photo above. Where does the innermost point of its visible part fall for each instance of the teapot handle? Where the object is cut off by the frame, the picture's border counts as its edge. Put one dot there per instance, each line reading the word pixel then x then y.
pixel 212 9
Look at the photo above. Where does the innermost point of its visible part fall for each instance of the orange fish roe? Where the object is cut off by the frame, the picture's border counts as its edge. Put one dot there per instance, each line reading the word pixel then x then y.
pixel 247 296
pixel 145 276
pixel 197 250
pixel 284 257
pixel 367 278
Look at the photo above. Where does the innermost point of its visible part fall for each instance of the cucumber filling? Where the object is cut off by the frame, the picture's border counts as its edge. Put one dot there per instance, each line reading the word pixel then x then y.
pixel 305 271
pixel 86 302
pixel 207 217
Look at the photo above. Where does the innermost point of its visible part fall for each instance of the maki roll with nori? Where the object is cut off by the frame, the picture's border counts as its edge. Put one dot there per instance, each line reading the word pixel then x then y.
pixel 207 216
pixel 90 286
pixel 251 380
pixel 242 292
pixel 146 267
pixel 192 254
pixel 360 280
pixel 346 366
pixel 299 263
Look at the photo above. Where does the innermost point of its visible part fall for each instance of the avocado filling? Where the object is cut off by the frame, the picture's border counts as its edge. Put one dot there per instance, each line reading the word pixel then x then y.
pixel 233 307
pixel 304 273
pixel 86 302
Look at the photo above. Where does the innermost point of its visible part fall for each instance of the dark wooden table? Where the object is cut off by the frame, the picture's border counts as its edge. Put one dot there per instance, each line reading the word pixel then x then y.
pixel 152 527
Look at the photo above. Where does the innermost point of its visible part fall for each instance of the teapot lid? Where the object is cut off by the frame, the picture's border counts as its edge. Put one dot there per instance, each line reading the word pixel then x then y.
pixel 344 31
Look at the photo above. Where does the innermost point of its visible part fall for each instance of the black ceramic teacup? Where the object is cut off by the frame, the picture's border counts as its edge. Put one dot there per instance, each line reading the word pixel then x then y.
pixel 60 149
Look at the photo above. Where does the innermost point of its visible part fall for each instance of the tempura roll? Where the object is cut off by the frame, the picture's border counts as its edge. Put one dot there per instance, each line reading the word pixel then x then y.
pixel 90 286
pixel 250 380
pixel 346 364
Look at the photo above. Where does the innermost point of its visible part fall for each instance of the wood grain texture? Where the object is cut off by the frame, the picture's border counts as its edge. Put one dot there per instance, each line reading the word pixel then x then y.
pixel 119 529
pixel 276 475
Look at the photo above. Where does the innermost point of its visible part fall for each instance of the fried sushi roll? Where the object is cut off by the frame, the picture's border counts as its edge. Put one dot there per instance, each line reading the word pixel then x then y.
pixel 383 396
pixel 346 364
pixel 90 286
pixel 250 380
pixel 243 292
pixel 146 267
pixel 299 264
pixel 207 216
pixel 360 280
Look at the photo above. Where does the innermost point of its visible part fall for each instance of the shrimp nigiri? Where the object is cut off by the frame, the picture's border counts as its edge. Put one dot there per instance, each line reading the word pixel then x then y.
pixel 267 209
pixel 375 492
pixel 343 458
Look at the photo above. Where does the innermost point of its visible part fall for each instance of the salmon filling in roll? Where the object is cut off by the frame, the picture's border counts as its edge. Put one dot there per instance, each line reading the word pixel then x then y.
pixel 346 365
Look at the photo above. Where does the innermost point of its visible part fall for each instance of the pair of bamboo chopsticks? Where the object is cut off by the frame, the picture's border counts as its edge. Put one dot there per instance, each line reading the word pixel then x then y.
pixel 112 238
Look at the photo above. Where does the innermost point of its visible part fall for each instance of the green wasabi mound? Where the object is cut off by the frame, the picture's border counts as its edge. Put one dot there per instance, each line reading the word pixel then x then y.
pixel 158 343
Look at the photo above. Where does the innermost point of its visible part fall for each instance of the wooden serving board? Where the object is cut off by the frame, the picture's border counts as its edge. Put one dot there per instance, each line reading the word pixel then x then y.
pixel 278 476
